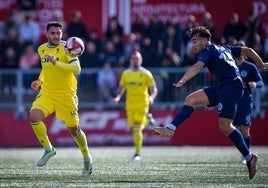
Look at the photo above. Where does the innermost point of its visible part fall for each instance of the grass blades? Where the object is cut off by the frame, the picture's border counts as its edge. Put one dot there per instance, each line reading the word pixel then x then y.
pixel 113 167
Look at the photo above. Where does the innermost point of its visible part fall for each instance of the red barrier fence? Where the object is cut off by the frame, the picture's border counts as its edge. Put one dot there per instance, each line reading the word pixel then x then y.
pixel 109 128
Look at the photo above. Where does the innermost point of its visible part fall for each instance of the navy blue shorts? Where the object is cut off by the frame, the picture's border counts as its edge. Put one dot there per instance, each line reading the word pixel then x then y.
pixel 226 98
pixel 244 112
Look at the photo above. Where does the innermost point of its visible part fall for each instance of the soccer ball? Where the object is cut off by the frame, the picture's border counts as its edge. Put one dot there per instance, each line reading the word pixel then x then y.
pixel 74 46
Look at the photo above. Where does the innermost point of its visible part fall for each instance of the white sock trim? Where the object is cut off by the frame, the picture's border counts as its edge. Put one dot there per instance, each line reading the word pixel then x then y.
pixel 171 127
pixel 248 157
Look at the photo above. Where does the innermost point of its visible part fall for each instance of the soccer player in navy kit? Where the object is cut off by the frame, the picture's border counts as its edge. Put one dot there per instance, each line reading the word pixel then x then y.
pixel 251 80
pixel 220 61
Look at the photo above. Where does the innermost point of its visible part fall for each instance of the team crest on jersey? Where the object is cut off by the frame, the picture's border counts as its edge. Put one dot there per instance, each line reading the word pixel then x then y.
pixel 248 119
pixel 243 74
pixel 220 106
pixel 45 60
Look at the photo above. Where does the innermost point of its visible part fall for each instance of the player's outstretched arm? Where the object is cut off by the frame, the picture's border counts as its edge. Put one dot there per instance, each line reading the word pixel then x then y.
pixel 71 67
pixel 249 52
pixel 191 72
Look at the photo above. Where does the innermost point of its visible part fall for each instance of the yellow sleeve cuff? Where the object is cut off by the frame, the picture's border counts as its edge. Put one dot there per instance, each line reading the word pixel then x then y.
pixel 73 67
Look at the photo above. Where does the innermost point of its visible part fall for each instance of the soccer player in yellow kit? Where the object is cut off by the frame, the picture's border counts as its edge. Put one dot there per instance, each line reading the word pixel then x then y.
pixel 57 95
pixel 141 91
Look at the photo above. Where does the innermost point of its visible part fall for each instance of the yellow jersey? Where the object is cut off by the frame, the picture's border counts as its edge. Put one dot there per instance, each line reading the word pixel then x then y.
pixel 56 81
pixel 137 84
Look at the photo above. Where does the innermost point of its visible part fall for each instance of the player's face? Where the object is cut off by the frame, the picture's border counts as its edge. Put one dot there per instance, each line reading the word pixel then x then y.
pixel 197 43
pixel 54 35
pixel 135 60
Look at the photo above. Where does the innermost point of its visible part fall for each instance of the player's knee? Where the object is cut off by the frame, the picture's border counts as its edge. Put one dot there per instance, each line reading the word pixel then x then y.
pixel 225 126
pixel 136 129
pixel 35 116
pixel 74 131
pixel 190 101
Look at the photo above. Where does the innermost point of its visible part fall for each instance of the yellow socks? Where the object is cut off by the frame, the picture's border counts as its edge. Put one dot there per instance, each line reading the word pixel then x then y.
pixel 40 131
pixel 138 138
pixel 81 141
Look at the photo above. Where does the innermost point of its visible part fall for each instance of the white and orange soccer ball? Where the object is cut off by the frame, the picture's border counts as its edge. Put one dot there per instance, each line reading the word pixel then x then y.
pixel 74 46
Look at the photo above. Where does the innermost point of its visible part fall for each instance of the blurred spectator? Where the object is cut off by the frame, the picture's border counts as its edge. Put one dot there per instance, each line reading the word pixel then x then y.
pixel 10 61
pixel 94 37
pixel 76 27
pixel 154 30
pixel 29 59
pixel 174 21
pixel 110 54
pixel 118 43
pixel 167 91
pixel 208 22
pixel 89 59
pixel 113 28
pixel 172 44
pixel 234 29
pixel 253 32
pixel 29 31
pixel 106 81
pixel 189 57
pixel 138 25
pixel 130 42
pixel 9 24
pixel 57 15
pixel 190 23
pixel 26 7
pixel 148 53
pixel 11 40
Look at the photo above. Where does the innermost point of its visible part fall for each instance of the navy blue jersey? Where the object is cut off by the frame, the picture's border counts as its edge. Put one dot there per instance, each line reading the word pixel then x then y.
pixel 249 73
pixel 220 61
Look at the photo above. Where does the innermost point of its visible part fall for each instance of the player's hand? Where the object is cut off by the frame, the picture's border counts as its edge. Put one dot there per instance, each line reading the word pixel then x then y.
pixel 178 84
pixel 116 100
pixel 252 85
pixel 36 84
pixel 51 58
pixel 265 66
pixel 151 100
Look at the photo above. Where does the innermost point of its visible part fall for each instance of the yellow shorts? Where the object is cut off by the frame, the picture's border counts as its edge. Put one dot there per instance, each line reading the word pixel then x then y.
pixel 65 107
pixel 137 117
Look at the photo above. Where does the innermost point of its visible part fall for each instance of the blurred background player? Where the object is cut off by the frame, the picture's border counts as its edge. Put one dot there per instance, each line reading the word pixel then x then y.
pixel 141 91
pixel 57 94
pixel 220 61
pixel 251 80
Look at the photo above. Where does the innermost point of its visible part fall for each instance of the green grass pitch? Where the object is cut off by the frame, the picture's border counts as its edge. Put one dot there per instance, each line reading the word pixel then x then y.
pixel 113 167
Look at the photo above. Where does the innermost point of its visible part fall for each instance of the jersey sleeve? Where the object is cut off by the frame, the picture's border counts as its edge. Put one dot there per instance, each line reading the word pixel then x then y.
pixel 236 51
pixel 122 79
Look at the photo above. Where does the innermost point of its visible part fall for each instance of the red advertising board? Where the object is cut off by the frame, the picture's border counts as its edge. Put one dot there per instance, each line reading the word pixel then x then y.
pixel 109 128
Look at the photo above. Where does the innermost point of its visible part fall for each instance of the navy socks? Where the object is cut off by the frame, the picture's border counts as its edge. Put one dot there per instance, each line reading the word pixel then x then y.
pixel 239 142
pixel 183 115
